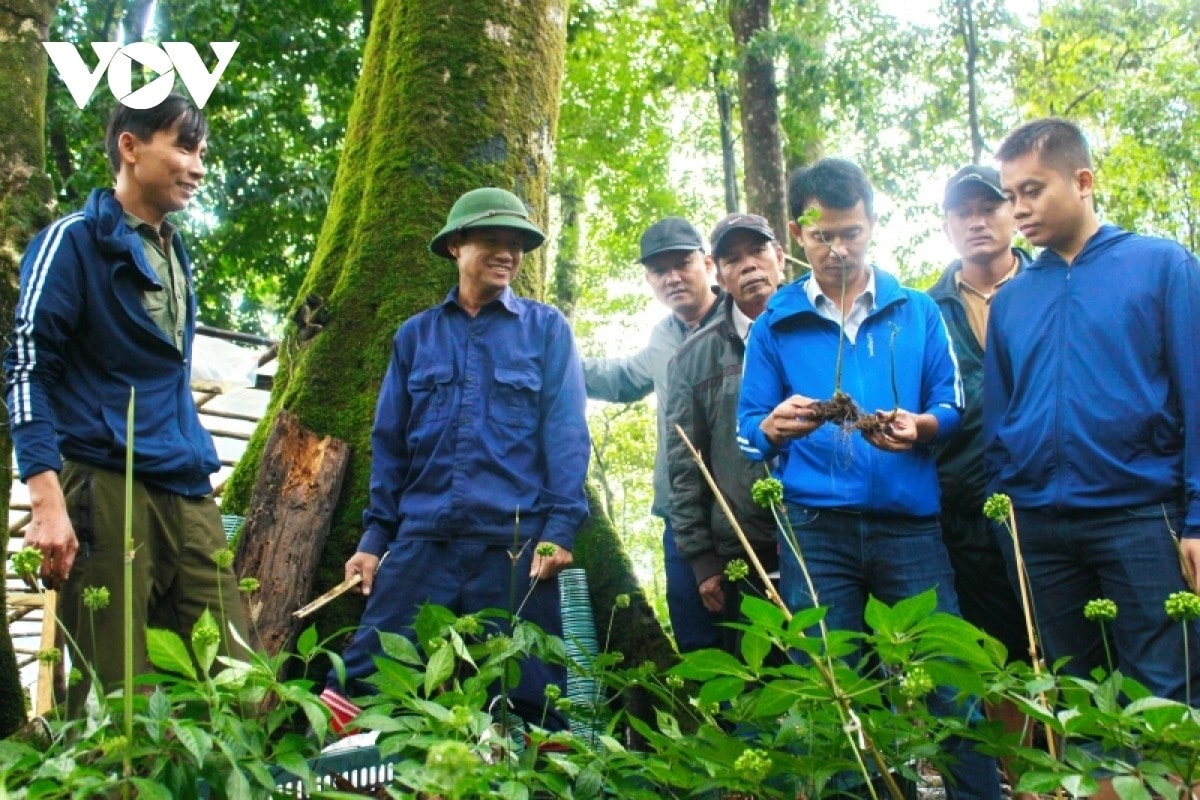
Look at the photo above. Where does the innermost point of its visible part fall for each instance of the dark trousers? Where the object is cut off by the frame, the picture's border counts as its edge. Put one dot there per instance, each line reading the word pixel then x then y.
pixel 694 626
pixel 1126 555
pixel 174 576
pixel 465 577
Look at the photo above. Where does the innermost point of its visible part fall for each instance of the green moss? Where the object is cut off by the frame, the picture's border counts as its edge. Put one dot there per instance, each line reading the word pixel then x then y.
pixel 453 96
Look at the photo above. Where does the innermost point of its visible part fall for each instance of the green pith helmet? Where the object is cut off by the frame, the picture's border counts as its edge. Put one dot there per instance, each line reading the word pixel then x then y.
pixel 487 208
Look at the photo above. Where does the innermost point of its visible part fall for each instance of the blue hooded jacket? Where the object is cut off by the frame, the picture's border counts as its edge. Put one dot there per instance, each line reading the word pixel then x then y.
pixel 793 350
pixel 1092 379
pixel 83 338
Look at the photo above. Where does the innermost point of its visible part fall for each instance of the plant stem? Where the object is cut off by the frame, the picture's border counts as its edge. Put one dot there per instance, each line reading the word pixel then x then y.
pixel 128 694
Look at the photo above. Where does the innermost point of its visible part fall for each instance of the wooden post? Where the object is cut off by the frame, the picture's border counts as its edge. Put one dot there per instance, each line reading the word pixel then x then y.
pixel 298 483
pixel 44 702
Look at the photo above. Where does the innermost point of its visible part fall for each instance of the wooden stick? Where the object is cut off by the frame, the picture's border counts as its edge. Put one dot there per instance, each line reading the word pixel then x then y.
pixel 329 596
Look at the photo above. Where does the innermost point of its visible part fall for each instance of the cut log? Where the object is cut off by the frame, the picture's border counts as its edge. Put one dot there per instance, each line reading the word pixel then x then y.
pixel 298 483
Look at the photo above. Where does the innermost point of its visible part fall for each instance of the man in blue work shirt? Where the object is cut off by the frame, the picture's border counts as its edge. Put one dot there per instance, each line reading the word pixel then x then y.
pixel 480 421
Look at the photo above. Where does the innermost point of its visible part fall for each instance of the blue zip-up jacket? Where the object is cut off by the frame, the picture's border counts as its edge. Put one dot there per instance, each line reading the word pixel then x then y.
pixel 479 419
pixel 1092 379
pixel 793 350
pixel 82 338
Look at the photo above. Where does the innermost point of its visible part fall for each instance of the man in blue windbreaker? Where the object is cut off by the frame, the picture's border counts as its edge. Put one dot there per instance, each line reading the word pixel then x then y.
pixel 1091 416
pixel 106 305
pixel 479 432
pixel 863 507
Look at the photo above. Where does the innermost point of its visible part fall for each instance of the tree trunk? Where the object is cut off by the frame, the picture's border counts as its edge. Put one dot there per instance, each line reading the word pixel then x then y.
pixel 758 101
pixel 970 38
pixel 728 156
pixel 287 525
pixel 25 195
pixel 454 95
pixel 566 262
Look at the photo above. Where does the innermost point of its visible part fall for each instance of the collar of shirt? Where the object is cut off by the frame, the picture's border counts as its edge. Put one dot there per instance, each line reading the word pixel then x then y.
pixel 507 298
pixel 741 322
pixel 160 237
pixel 858 311
pixel 962 285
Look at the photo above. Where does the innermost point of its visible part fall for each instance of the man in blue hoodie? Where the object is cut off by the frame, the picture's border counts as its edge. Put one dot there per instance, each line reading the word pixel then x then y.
pixel 106 305
pixel 863 507
pixel 1091 417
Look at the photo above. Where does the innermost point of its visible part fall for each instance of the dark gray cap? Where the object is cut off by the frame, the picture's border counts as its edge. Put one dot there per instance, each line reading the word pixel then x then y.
pixel 970 180
pixel 735 222
pixel 670 233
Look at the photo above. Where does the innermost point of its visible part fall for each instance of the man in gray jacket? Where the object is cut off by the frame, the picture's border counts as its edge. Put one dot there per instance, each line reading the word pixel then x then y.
pixel 705 380
pixel 680 275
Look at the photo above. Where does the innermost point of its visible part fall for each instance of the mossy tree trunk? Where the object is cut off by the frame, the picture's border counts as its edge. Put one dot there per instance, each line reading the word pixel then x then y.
pixel 454 95
pixel 24 208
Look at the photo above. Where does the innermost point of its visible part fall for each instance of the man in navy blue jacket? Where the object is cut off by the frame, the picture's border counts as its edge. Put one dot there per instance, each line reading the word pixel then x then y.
pixel 106 305
pixel 1091 416
pixel 479 431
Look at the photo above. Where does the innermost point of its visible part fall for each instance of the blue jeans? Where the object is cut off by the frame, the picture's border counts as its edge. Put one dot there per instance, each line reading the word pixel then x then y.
pixel 465 577
pixel 1126 555
pixel 694 626
pixel 852 556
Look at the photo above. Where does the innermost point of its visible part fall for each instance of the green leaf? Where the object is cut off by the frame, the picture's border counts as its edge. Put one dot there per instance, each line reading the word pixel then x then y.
pixel 719 690
pixel 755 648
pixel 1129 787
pixel 307 642
pixel 195 740
pixel 441 667
pixel 1080 785
pixel 704 664
pixel 236 785
pixel 150 790
pixel 167 651
pixel 400 648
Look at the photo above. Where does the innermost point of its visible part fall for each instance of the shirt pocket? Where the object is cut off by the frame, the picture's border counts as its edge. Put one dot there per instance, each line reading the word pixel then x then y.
pixel 431 391
pixel 515 397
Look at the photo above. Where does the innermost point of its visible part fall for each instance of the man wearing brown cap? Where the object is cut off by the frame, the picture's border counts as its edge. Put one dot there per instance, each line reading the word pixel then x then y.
pixel 705 380
pixel 680 275
pixel 980 226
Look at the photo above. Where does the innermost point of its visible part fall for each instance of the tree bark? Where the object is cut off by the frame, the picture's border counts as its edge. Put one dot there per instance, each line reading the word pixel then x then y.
pixel 970 38
pixel 758 102
pixel 454 95
pixel 25 196
pixel 299 479
pixel 728 156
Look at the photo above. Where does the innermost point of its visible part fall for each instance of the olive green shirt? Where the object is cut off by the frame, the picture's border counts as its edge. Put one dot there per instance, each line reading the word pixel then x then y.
pixel 166 306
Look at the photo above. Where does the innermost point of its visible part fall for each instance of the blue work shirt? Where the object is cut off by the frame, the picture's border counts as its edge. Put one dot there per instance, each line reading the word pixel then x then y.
pixel 479 418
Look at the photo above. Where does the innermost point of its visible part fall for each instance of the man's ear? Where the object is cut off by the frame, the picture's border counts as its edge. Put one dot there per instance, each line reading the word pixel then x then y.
pixel 1085 181
pixel 127 147
pixel 794 230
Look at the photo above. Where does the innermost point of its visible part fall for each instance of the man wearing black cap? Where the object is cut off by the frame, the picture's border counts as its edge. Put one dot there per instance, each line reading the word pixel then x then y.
pixel 680 275
pixel 705 379
pixel 479 431
pixel 980 226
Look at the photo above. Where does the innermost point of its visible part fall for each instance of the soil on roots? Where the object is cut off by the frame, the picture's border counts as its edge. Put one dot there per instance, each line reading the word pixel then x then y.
pixel 840 409
pixel 878 422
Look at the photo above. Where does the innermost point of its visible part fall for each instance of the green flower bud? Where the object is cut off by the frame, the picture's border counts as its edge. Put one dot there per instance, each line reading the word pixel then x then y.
pixel 1102 610
pixel 553 691
pixel 736 570
pixel 204 636
pixel 767 492
pixel 51 655
pixel 622 601
pixel 223 558
pixel 248 585
pixel 1183 606
pixel 96 598
pixel 997 507
pixel 545 549
pixel 468 625
pixel 27 563
pixel 752 766
pixel 916 683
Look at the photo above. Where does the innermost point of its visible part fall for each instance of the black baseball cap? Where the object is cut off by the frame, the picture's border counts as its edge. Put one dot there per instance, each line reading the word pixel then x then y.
pixel 735 222
pixel 969 180
pixel 670 233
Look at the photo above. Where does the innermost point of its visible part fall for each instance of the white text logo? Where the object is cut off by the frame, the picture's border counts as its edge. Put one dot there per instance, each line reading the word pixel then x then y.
pixel 117 60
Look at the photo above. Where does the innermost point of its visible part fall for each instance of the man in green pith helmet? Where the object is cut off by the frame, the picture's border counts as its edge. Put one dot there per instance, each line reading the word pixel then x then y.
pixel 479 430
